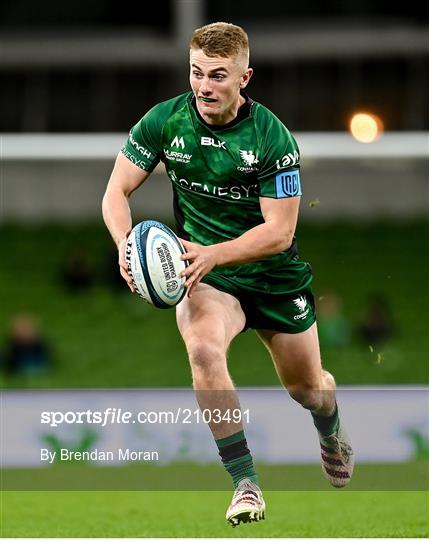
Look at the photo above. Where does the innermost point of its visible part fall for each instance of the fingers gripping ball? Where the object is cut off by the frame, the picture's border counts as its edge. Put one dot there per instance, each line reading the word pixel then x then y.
pixel 153 254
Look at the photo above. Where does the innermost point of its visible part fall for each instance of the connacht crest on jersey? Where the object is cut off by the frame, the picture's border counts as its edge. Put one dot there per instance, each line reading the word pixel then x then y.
pixel 249 157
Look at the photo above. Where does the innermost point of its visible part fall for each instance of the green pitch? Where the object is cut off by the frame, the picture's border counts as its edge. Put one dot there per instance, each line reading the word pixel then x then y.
pixel 191 514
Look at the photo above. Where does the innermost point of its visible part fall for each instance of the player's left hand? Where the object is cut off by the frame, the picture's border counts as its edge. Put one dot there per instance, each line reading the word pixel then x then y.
pixel 202 259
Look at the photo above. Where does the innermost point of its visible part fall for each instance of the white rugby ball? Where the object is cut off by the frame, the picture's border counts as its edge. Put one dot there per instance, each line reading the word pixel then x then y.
pixel 153 254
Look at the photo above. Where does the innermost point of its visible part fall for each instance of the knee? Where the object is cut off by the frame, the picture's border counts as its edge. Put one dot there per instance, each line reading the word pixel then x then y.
pixel 310 397
pixel 203 352
pixel 328 381
pixel 205 357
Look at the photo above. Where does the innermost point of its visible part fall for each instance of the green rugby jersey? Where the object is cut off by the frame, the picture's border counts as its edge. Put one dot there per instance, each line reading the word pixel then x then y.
pixel 218 173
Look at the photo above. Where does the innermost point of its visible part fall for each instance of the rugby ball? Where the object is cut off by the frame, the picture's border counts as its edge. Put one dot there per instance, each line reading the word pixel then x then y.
pixel 153 254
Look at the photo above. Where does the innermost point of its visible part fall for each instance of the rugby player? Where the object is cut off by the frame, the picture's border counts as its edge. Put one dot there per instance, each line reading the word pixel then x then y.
pixel 235 174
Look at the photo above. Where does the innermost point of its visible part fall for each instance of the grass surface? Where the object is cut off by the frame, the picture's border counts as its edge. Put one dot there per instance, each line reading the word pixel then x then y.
pixel 407 476
pixel 201 514
pixel 106 338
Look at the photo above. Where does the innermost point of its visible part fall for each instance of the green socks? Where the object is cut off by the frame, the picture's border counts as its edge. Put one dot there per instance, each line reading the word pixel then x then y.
pixel 327 425
pixel 236 457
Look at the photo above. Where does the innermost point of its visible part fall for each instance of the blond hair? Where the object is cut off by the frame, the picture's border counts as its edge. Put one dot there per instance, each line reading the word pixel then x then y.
pixel 221 39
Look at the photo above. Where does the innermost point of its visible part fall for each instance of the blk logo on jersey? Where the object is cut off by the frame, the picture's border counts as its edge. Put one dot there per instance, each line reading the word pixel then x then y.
pixel 209 141
pixel 288 184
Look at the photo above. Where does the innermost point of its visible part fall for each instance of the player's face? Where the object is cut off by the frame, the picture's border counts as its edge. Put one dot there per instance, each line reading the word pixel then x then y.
pixel 216 83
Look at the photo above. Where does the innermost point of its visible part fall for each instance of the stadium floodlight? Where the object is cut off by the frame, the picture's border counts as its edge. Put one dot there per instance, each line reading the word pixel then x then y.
pixel 366 127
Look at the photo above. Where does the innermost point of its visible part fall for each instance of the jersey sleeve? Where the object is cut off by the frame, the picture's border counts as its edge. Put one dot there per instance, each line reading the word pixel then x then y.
pixel 279 172
pixel 143 146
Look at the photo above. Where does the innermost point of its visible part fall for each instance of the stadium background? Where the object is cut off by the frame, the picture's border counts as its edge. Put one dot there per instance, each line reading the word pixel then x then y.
pixel 91 69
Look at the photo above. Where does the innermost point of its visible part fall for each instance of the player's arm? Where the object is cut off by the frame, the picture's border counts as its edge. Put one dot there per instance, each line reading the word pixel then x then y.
pixel 269 238
pixel 125 178
pixel 279 196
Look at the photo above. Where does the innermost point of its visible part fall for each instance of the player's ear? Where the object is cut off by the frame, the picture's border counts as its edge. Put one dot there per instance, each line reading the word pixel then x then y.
pixel 245 78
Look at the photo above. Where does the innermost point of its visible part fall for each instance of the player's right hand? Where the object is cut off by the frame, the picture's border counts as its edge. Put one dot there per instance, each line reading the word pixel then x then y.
pixel 123 266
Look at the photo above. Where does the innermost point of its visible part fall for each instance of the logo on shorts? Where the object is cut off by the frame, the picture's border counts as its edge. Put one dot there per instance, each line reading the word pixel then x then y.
pixel 301 304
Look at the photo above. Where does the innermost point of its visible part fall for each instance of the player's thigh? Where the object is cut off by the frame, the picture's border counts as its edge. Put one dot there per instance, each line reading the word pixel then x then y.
pixel 210 316
pixel 296 356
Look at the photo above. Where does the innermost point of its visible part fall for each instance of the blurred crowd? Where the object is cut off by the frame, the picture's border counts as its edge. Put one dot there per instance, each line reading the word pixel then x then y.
pixel 374 327
pixel 26 351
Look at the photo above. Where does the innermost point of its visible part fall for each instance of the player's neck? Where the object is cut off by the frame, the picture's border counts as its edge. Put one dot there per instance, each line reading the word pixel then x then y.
pixel 225 118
